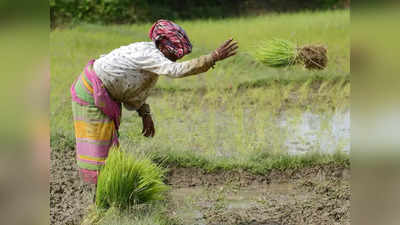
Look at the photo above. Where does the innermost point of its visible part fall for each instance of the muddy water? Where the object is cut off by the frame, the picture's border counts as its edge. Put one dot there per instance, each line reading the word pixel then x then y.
pixel 318 195
pixel 295 132
pixel 193 204
pixel 315 197
pixel 319 132
pixel 232 134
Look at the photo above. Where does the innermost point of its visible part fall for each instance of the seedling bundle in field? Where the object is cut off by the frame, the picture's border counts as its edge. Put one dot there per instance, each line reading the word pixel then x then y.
pixel 280 53
pixel 127 180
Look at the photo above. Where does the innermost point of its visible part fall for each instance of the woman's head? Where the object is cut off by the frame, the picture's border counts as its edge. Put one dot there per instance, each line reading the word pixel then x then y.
pixel 170 39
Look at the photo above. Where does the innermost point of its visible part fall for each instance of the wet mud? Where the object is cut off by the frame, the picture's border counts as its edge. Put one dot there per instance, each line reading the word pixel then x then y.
pixel 316 195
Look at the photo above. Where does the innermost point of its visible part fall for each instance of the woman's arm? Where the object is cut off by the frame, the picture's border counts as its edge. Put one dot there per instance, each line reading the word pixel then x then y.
pixel 201 64
pixel 148 124
pixel 182 69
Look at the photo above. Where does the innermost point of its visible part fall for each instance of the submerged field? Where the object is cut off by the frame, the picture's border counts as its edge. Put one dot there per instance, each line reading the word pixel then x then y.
pixel 241 116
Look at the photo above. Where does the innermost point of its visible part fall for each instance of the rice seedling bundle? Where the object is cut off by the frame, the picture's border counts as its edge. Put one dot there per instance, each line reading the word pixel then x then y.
pixel 126 180
pixel 279 53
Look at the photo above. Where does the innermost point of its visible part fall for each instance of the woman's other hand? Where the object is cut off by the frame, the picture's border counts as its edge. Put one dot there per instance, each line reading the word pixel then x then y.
pixel 148 126
pixel 226 50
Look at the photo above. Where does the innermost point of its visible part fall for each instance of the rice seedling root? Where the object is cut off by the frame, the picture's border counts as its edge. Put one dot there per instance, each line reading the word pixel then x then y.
pixel 313 56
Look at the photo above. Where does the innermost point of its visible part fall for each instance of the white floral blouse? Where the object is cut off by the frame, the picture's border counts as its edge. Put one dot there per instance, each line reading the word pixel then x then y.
pixel 129 72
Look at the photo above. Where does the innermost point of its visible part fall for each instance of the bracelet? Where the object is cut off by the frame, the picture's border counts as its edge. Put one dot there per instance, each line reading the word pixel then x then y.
pixel 143 114
pixel 144 110
pixel 217 55
pixel 214 60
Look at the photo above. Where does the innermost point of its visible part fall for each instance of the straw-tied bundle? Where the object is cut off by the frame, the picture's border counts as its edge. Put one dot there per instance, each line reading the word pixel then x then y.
pixel 279 53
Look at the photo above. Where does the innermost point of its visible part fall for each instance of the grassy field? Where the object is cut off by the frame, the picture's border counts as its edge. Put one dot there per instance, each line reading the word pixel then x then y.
pixel 226 117
pixel 230 117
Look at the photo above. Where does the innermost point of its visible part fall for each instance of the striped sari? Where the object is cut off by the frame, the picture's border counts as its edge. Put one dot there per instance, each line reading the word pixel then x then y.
pixel 96 123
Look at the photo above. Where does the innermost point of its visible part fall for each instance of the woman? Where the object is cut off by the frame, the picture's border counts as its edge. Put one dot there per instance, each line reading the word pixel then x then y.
pixel 126 76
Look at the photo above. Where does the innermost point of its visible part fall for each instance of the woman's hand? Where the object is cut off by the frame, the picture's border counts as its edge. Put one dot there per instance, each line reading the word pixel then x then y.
pixel 148 126
pixel 227 49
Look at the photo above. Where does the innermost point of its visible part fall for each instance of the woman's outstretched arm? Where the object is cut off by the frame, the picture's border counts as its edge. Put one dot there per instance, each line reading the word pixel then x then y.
pixel 195 66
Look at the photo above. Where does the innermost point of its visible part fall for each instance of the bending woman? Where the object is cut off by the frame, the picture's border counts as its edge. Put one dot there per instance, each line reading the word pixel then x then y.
pixel 125 76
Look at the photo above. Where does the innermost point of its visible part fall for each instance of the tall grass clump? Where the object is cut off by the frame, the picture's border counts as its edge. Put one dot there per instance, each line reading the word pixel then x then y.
pixel 279 53
pixel 126 181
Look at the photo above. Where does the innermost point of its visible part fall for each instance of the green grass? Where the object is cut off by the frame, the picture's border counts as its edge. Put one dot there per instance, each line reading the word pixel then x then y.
pixel 237 129
pixel 148 214
pixel 127 180
pixel 277 53
pixel 225 118
pixel 227 129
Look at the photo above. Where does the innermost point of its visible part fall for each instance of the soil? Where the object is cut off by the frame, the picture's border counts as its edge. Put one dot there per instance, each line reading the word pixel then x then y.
pixel 316 195
pixel 69 197
pixel 313 56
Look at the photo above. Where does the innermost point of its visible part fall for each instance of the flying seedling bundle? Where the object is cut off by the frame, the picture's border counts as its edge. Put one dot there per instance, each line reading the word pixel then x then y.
pixel 281 53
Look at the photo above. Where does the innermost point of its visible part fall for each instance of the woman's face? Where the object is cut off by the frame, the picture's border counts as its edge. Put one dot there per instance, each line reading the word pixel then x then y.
pixel 168 55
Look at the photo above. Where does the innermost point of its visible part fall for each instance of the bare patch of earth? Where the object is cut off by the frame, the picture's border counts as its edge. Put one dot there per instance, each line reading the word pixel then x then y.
pixel 316 195
pixel 69 198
